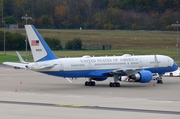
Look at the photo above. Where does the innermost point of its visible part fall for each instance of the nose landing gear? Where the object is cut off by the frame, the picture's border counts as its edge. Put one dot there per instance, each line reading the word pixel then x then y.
pixel 159 80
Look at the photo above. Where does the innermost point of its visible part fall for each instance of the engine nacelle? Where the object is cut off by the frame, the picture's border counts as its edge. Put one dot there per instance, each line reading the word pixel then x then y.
pixel 143 76
pixel 99 78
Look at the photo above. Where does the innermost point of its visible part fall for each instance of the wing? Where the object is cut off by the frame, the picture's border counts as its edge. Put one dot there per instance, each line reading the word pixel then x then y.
pixel 128 71
pixel 21 65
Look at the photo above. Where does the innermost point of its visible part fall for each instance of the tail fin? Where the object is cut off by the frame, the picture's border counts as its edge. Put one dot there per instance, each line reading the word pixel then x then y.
pixel 40 50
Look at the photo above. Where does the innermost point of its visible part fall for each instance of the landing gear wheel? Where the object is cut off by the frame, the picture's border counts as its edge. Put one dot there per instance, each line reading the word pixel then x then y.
pixel 116 84
pixel 93 83
pixel 110 84
pixel 86 83
pixel 90 83
pixel 159 82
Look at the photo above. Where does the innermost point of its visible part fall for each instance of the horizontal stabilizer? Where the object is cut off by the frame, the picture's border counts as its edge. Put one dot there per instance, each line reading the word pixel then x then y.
pixel 20 58
pixel 20 65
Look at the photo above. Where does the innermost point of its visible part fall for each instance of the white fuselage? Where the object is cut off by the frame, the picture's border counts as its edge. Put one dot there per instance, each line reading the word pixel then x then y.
pixel 100 63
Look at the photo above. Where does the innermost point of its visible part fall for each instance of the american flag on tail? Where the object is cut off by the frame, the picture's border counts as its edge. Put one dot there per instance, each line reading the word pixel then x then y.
pixel 35 43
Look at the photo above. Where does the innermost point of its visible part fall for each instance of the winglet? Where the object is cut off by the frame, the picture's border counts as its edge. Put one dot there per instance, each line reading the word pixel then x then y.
pixel 40 50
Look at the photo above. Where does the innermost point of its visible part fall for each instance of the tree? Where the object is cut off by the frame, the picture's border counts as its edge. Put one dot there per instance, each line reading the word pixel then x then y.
pixel 75 44
pixel 54 44
pixel 8 6
pixel 91 14
pixel 10 20
pixel 45 21
pixel 60 13
pixel 14 41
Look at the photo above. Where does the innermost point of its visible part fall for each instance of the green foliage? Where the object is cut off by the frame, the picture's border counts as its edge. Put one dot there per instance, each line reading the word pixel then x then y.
pixel 94 14
pixel 8 7
pixel 13 41
pixel 54 44
pixel 134 27
pixel 45 21
pixel 10 20
pixel 75 44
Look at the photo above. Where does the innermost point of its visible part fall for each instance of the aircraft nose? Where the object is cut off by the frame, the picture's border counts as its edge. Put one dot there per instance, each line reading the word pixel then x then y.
pixel 171 61
pixel 174 64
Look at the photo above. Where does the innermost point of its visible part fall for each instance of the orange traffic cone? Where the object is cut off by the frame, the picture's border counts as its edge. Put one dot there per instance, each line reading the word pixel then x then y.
pixel 21 82
pixel 15 90
pixel 154 83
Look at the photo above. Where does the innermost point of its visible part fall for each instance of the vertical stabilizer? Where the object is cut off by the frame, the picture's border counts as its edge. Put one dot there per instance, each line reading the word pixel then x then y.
pixel 40 50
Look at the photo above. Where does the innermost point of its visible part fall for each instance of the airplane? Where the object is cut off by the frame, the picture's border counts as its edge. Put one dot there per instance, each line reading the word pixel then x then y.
pixel 137 67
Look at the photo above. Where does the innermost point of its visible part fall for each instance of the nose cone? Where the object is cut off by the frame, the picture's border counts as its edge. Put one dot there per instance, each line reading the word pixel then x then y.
pixel 175 66
pixel 172 64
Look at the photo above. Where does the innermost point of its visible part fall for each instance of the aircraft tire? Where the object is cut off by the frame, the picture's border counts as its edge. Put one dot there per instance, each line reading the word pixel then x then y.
pixel 110 84
pixel 86 83
pixel 159 82
pixel 117 84
pixel 91 83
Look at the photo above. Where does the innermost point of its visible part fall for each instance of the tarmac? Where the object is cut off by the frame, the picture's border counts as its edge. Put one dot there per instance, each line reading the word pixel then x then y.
pixel 27 94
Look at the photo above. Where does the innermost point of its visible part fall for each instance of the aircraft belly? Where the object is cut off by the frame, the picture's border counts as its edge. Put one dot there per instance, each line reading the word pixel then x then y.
pixel 83 73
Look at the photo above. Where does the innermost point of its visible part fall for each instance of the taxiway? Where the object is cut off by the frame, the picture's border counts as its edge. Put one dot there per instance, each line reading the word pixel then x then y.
pixel 27 94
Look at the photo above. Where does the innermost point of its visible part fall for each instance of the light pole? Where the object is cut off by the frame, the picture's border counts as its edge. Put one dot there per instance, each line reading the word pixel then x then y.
pixel 26 18
pixel 4 27
pixel 4 39
pixel 177 39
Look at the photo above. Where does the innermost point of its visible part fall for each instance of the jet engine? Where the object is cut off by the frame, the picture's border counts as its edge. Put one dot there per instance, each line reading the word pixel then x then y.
pixel 143 76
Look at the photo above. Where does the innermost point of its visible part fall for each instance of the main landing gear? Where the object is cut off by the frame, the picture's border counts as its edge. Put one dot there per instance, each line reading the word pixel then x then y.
pixel 159 80
pixel 115 83
pixel 90 83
